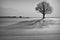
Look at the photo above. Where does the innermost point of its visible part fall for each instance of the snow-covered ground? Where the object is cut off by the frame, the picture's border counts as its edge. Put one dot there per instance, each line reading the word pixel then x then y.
pixel 30 29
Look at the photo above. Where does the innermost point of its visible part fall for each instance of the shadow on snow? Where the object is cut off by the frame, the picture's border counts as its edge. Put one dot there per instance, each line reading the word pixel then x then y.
pixel 32 24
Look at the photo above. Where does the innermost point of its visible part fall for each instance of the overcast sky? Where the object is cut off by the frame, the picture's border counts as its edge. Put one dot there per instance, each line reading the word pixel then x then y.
pixel 27 8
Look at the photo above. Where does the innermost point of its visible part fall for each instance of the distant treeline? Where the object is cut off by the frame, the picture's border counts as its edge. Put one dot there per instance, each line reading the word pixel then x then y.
pixel 13 17
pixel 10 17
pixel 23 17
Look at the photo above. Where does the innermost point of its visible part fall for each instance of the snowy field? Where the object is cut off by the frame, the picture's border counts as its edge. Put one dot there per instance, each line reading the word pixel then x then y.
pixel 29 29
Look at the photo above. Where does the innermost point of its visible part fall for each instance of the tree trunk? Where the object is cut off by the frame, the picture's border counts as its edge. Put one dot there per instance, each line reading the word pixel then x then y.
pixel 43 16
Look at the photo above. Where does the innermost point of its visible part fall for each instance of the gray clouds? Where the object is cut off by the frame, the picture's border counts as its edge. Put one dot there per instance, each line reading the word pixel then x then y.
pixel 26 8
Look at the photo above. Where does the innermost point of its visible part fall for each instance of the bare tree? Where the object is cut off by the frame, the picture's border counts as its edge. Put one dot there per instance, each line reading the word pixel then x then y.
pixel 44 8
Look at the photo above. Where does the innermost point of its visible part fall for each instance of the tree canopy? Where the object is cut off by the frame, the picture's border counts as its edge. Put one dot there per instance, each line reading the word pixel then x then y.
pixel 44 7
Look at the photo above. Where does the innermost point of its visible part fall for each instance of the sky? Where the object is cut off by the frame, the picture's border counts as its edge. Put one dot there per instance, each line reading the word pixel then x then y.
pixel 27 8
